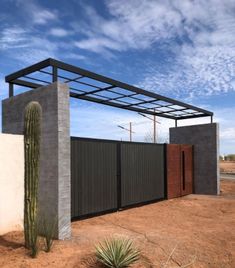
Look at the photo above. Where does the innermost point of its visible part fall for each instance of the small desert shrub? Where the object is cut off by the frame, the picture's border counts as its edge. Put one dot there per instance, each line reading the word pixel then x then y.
pixel 117 253
pixel 47 228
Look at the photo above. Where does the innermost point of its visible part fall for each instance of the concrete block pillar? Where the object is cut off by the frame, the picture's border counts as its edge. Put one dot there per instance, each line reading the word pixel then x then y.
pixel 205 139
pixel 54 184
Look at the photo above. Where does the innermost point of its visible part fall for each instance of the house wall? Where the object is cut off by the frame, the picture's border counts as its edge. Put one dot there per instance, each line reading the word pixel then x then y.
pixel 54 182
pixel 11 182
pixel 205 139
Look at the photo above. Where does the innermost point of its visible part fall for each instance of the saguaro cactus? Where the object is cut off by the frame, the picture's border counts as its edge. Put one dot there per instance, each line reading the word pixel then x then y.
pixel 32 135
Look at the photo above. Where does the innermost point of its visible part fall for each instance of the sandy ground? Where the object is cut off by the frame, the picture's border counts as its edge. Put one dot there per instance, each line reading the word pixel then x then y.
pixel 200 228
pixel 227 166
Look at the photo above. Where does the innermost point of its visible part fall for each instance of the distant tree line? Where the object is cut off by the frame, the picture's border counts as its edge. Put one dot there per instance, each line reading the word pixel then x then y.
pixel 229 157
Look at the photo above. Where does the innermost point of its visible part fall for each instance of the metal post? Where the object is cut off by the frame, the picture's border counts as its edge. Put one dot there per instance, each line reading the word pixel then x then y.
pixel 175 122
pixel 211 119
pixel 11 90
pixel 154 128
pixel 54 74
pixel 130 131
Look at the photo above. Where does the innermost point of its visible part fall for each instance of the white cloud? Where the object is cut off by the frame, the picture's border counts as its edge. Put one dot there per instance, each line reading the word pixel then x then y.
pixel 197 71
pixel 206 66
pixel 43 16
pixel 204 62
pixel 34 55
pixel 74 56
pixel 59 32
pixel 135 24
pixel 97 44
pixel 13 37
pixel 26 46
pixel 37 13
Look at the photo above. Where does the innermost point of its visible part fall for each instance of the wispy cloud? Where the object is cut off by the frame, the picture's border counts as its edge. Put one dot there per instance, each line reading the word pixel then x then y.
pixel 200 36
pixel 26 46
pixel 38 14
pixel 36 34
pixel 206 64
pixel 197 71
pixel 13 37
pixel 134 24
pixel 184 49
pixel 59 32
pixel 21 39
pixel 43 16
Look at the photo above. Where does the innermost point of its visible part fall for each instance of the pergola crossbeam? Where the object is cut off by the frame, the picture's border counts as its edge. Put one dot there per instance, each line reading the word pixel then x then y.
pixel 124 96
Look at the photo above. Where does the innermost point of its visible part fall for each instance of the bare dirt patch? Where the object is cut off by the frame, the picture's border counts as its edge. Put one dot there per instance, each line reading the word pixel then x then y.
pixel 200 227
pixel 227 167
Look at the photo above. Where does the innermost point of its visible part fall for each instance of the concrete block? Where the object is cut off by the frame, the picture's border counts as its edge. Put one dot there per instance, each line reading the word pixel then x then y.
pixel 54 184
pixel 205 139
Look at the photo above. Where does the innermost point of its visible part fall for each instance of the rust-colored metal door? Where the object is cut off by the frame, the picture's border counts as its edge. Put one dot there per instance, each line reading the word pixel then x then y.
pixel 179 170
pixel 186 169
pixel 173 171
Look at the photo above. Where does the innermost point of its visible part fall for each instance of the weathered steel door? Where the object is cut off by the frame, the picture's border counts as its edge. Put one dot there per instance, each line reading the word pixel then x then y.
pixel 173 171
pixel 179 170
pixel 186 169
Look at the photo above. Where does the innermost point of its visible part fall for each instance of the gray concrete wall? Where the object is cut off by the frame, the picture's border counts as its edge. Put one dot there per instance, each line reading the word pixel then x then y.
pixel 54 184
pixel 205 139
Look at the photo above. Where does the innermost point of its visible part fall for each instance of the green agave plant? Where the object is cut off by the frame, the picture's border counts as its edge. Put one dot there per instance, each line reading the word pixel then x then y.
pixel 117 253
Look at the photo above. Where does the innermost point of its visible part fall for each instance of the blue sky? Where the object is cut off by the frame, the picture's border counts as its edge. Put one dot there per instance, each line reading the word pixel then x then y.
pixel 181 49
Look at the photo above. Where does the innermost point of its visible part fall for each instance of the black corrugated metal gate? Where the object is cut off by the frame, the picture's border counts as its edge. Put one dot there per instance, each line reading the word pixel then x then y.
pixel 110 175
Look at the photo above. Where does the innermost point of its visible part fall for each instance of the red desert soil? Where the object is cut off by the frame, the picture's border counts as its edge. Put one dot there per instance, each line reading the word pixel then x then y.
pixel 200 227
pixel 227 166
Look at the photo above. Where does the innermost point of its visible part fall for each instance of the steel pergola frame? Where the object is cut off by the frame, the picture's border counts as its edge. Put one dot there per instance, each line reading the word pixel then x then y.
pixel 93 87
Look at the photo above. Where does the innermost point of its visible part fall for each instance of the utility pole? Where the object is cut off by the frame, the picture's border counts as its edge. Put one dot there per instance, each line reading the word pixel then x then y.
pixel 154 125
pixel 129 130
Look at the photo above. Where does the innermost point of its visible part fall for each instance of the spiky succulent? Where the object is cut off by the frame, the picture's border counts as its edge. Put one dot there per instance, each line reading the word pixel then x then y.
pixel 117 252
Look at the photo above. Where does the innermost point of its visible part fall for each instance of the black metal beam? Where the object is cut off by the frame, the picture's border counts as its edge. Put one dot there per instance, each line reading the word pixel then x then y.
pixel 172 111
pixel 190 116
pixel 36 79
pixel 124 95
pixel 142 102
pixel 97 90
pixel 121 96
pixel 71 80
pixel 11 90
pixel 54 74
pixel 135 92
pixel 63 77
pixel 107 80
pixel 24 83
pixel 28 70
pixel 92 99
